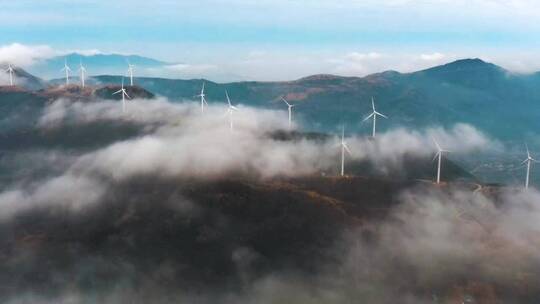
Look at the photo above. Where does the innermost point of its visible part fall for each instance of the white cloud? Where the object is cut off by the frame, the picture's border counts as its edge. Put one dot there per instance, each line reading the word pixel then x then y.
pixel 355 56
pixel 191 69
pixel 432 57
pixel 24 55
pixel 84 52
pixel 184 143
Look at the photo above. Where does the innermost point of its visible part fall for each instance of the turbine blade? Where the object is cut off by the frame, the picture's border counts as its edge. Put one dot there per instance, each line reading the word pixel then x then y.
pixel 382 115
pixel 370 115
pixel 285 101
pixel 435 157
pixel 228 99
pixel 127 95
pixel 117 92
pixel 373 104
pixel 346 148
pixel 436 144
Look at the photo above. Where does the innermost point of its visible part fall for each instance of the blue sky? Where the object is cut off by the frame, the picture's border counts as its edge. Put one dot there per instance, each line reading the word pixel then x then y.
pixel 271 40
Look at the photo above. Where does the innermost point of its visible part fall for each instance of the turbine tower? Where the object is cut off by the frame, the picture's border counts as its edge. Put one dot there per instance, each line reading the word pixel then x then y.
pixel 130 71
pixel 203 99
pixel 230 111
pixel 290 106
pixel 124 95
pixel 439 154
pixel 344 148
pixel 82 69
pixel 67 70
pixel 374 115
pixel 529 161
pixel 10 71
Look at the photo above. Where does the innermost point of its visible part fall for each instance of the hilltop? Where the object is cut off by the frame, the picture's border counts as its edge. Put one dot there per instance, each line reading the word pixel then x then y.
pixel 468 91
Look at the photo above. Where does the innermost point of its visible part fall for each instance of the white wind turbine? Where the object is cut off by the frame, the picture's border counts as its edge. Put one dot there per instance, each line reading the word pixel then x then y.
pixel 82 69
pixel 230 111
pixel 10 71
pixel 439 154
pixel 203 99
pixel 124 95
pixel 67 70
pixel 130 71
pixel 290 106
pixel 344 148
pixel 529 161
pixel 374 115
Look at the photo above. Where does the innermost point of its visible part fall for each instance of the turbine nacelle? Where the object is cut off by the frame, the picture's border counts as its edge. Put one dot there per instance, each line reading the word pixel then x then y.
pixel 82 69
pixel 230 110
pixel 10 70
pixel 203 99
pixel 529 160
pixel 374 115
pixel 439 154
pixel 124 95
pixel 289 107
pixel 130 71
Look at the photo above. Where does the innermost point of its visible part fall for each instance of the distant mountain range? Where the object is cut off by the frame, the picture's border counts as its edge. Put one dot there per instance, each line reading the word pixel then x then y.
pixel 503 104
pixel 500 103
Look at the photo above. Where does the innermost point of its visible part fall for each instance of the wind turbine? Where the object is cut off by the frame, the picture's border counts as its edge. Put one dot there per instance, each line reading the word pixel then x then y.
pixel 529 161
pixel 124 95
pixel 439 154
pixel 82 69
pixel 130 71
pixel 203 100
pixel 10 71
pixel 290 106
pixel 374 115
pixel 344 148
pixel 230 110
pixel 67 70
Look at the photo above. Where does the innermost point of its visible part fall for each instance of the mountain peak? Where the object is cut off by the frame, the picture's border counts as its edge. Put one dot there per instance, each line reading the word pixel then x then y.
pixel 472 73
pixel 317 77
pixel 464 65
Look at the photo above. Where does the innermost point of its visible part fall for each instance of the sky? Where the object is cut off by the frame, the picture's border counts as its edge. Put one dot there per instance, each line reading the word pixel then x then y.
pixel 278 39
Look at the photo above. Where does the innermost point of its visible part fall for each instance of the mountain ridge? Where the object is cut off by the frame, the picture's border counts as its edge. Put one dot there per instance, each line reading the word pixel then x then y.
pixel 442 95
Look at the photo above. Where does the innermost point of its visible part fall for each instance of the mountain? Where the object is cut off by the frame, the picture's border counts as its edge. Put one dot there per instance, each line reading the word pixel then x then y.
pixel 21 78
pixel 500 103
pixel 191 236
pixel 96 64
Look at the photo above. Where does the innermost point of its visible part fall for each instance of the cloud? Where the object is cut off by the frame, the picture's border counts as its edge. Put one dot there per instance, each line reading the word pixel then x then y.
pixel 24 55
pixel 355 56
pixel 429 240
pixel 177 141
pixel 362 64
pixel 67 191
pixel 171 128
pixel 432 57
pixel 191 69
pixel 84 52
